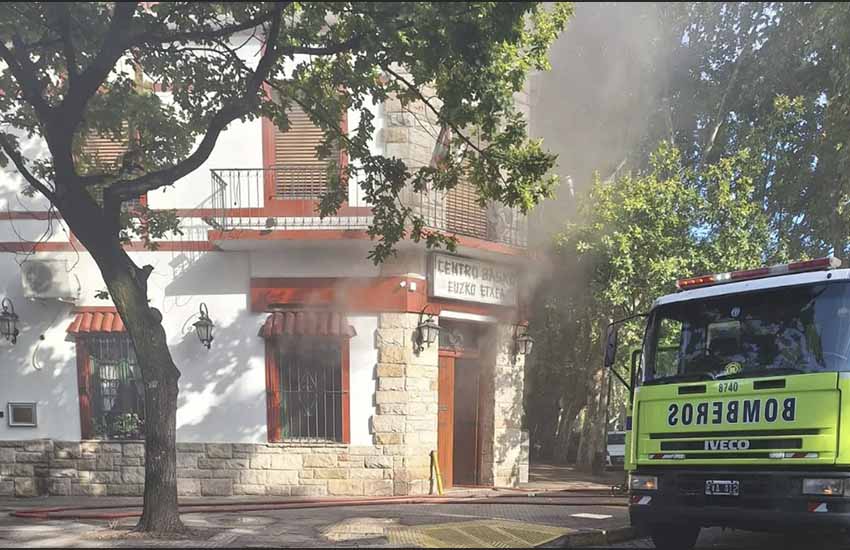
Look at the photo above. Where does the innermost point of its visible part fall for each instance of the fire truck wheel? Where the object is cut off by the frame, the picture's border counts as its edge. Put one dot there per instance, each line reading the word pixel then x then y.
pixel 675 537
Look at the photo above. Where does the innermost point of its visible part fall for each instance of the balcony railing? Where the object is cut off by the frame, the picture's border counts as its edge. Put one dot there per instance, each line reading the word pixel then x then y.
pixel 286 197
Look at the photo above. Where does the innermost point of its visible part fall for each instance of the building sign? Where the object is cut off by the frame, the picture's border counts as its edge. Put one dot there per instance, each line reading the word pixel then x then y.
pixel 472 281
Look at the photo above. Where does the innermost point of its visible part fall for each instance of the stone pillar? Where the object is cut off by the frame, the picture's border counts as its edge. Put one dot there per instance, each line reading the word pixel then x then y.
pixel 405 420
pixel 410 134
pixel 501 409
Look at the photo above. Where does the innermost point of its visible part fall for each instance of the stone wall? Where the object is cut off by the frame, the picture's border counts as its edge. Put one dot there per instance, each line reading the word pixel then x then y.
pixel 501 410
pixel 95 468
pixel 405 423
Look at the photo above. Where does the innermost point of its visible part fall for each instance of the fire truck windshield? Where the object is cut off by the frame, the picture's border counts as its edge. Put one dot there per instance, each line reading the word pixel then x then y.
pixel 762 333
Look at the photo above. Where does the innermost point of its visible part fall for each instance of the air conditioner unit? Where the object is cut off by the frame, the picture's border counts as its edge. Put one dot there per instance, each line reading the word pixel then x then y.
pixel 47 279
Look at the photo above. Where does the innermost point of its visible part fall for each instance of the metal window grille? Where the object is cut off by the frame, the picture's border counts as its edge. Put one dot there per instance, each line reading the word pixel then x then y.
pixel 310 388
pixel 118 403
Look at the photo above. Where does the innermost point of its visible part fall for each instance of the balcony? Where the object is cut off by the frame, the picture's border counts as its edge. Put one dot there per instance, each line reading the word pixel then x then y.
pixel 250 200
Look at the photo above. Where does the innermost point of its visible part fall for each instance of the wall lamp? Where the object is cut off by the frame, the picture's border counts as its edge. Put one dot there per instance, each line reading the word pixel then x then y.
pixel 204 327
pixel 427 331
pixel 9 321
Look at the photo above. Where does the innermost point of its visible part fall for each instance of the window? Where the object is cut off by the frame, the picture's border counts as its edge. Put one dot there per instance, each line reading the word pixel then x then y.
pixel 299 172
pixel 307 355
pixel 802 328
pixel 105 153
pixel 22 415
pixel 310 371
pixel 294 169
pixel 115 390
pixel 616 438
pixel 667 353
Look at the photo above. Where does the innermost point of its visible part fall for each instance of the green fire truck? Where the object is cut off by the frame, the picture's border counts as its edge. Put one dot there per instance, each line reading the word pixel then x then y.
pixel 741 404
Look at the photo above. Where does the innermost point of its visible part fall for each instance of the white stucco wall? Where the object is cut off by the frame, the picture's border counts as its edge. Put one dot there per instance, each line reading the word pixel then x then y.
pixel 222 390
pixel 35 370
pixel 332 259
pixel 363 357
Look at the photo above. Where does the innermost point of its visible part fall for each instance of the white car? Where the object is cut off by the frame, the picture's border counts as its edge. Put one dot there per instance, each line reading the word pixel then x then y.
pixel 615 452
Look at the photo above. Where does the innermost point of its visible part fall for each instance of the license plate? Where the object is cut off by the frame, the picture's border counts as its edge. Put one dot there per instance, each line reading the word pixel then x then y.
pixel 722 487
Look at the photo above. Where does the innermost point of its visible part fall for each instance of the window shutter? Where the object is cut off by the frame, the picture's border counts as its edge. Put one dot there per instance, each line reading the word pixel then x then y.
pixel 463 213
pixel 103 150
pixel 85 390
pixel 272 394
pixel 299 172
pixel 107 152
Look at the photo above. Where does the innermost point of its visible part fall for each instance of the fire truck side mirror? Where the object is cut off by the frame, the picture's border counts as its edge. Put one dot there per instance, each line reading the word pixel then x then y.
pixel 610 345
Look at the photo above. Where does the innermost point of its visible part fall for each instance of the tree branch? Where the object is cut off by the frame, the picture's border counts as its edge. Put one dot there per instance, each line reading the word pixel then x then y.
pixel 27 79
pixel 720 117
pixel 123 190
pixel 62 15
pixel 433 109
pixel 148 37
pixel 19 163
pixel 331 49
pixel 113 48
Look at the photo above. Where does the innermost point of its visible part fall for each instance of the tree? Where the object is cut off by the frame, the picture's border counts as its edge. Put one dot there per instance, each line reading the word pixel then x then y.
pixel 637 235
pixel 772 78
pixel 71 69
pixel 768 80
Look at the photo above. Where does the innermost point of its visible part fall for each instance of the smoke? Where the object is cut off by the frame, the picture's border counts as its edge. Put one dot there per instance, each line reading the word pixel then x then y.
pixel 595 105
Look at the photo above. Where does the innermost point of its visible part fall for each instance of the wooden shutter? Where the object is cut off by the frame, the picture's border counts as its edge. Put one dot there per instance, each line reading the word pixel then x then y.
pixel 84 387
pixel 273 424
pixel 103 150
pixel 463 213
pixel 299 172
pixel 106 152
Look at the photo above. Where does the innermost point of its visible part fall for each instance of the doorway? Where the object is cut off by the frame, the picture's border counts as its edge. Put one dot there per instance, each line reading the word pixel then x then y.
pixel 458 437
pixel 466 436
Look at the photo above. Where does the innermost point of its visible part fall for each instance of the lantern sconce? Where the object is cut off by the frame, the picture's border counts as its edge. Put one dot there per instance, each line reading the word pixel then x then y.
pixel 9 321
pixel 427 332
pixel 204 327
pixel 523 343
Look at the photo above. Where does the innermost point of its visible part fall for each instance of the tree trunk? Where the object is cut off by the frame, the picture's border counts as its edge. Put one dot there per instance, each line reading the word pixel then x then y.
pixel 566 430
pixel 562 438
pixel 160 512
pixel 127 285
pixel 593 428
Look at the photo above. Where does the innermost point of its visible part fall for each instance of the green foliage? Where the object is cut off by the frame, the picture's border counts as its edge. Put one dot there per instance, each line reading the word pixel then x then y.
pixel 94 66
pixel 772 78
pixel 644 231
pixel 637 236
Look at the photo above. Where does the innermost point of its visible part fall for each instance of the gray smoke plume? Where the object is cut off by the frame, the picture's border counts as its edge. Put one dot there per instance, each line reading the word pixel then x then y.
pixel 594 106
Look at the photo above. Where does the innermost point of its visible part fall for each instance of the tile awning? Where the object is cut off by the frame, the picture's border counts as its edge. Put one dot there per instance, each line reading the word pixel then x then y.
pixel 87 322
pixel 306 323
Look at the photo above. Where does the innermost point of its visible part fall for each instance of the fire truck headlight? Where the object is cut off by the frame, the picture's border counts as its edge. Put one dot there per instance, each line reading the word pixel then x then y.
pixel 822 486
pixel 643 483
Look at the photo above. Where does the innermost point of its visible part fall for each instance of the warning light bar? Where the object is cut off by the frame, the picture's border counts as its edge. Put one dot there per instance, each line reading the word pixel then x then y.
pixel 830 262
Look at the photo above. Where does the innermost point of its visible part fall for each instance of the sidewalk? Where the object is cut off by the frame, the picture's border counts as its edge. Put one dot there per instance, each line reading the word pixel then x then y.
pixel 581 512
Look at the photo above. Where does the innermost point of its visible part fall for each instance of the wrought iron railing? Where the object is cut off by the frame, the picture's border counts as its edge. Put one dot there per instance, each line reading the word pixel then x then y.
pixel 286 197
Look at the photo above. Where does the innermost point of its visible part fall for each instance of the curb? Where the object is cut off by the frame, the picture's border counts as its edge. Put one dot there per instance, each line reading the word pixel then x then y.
pixel 599 537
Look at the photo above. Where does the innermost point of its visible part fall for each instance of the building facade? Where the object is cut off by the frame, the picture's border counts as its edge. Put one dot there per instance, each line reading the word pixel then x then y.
pixel 317 381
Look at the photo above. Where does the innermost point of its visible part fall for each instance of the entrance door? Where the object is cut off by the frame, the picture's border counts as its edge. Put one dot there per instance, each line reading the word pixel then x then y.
pixel 467 373
pixel 445 418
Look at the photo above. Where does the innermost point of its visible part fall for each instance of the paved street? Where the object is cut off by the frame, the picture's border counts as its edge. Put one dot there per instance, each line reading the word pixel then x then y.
pixel 728 539
pixel 514 522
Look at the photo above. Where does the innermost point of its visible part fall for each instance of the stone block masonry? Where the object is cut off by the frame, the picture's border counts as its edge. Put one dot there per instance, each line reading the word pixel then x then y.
pixel 98 468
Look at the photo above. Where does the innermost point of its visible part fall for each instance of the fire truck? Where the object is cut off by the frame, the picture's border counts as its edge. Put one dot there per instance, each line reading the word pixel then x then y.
pixel 740 411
